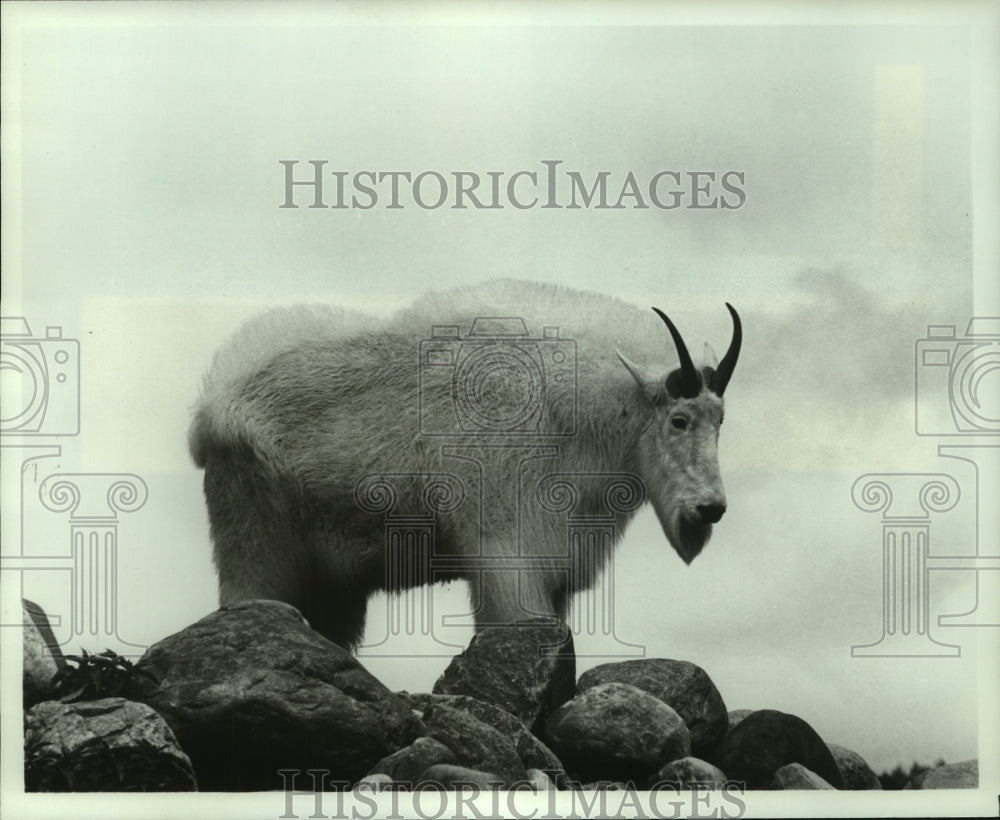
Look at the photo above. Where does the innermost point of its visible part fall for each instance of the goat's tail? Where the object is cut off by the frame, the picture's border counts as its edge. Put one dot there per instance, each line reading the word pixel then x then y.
pixel 218 424
pixel 200 436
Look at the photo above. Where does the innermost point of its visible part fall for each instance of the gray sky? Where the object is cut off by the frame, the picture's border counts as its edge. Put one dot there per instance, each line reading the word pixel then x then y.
pixel 149 185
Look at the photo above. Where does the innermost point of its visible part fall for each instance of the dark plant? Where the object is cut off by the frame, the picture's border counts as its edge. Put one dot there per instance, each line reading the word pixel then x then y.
pixel 90 677
pixel 899 777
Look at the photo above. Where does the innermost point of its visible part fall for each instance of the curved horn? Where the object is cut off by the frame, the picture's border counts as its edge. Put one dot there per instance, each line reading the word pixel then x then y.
pixel 689 384
pixel 725 369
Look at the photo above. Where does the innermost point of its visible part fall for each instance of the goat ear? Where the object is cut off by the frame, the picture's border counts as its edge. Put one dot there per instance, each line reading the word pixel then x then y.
pixel 651 386
pixel 710 359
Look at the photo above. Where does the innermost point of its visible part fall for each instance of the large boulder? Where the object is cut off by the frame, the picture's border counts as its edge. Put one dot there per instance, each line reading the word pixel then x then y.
pixel 475 744
pixel 683 686
pixel 533 752
pixel 857 774
pixel 42 656
pixel 964 775
pixel 527 668
pixel 796 776
pixel 108 745
pixel 614 731
pixel 765 741
pixel 251 689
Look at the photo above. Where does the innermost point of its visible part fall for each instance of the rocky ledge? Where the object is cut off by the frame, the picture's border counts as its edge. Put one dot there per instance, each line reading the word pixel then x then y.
pixel 250 693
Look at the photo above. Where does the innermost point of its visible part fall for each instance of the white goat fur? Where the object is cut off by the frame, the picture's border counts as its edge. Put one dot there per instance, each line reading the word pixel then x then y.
pixel 303 403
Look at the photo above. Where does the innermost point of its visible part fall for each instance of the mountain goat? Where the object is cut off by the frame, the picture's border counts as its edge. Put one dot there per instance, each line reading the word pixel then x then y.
pixel 490 415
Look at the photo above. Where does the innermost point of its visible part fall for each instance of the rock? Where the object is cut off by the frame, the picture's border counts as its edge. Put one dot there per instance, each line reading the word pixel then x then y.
pixel 540 780
pixel 542 758
pixel 406 765
pixel 475 744
pixel 374 782
pixel 533 752
pixel 42 656
pixel 689 773
pixel 615 731
pixel 857 774
pixel 109 745
pixel 796 776
pixel 765 741
pixel 736 717
pixel 683 686
pixel 251 689
pixel 452 777
pixel 527 669
pixel 964 775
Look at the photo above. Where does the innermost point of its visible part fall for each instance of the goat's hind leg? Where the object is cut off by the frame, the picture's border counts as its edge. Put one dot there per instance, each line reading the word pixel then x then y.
pixel 339 615
pixel 259 552
pixel 265 539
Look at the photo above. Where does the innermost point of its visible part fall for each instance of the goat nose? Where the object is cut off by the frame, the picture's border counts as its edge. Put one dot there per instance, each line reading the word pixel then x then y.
pixel 711 513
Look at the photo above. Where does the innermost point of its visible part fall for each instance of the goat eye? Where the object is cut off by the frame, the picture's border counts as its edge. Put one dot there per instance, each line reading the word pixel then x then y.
pixel 679 422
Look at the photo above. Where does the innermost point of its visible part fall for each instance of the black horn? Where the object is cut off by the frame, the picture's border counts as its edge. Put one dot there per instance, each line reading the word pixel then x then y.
pixel 725 369
pixel 687 381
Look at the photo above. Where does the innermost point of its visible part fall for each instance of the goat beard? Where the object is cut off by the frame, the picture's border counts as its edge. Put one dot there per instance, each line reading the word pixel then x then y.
pixel 686 536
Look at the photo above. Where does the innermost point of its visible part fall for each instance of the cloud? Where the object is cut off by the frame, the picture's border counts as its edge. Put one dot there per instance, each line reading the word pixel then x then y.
pixel 828 383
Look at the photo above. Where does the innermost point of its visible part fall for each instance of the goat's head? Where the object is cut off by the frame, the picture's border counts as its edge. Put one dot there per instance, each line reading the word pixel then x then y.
pixel 678 454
